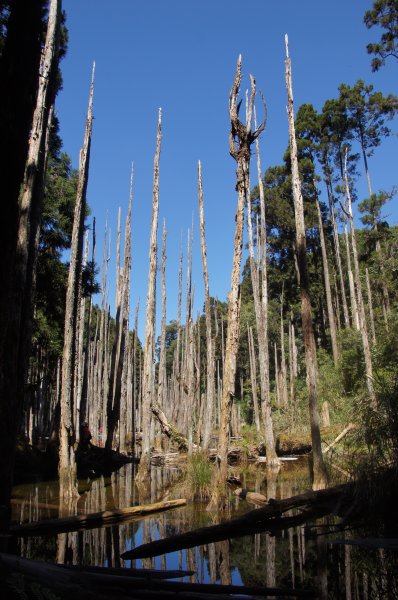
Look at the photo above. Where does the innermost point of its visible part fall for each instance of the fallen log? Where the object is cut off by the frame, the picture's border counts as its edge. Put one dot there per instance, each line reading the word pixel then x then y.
pixel 268 518
pixel 77 522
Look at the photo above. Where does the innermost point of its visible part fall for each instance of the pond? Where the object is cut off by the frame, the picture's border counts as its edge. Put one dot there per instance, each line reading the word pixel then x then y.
pixel 302 557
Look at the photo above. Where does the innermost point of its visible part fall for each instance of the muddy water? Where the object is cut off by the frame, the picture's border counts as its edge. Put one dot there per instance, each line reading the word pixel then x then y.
pixel 297 557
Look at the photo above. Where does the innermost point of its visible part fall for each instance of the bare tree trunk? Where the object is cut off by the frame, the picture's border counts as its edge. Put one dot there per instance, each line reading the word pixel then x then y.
pixel 283 386
pixel 353 298
pixel 241 138
pixel 337 252
pixel 149 350
pixel 332 323
pixel 209 408
pixel 253 377
pixel 261 311
pixel 66 466
pixel 361 307
pixel 320 476
pixel 370 304
pixel 119 411
pixel 162 381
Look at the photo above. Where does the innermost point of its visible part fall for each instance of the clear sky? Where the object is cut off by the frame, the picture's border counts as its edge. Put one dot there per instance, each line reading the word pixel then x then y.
pixel 181 55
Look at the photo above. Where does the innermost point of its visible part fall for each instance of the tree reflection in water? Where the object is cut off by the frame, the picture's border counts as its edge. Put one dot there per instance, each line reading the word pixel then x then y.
pixel 302 557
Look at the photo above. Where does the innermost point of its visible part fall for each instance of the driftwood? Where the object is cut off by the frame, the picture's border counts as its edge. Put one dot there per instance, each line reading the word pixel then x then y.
pixel 77 522
pixel 314 504
pixel 94 584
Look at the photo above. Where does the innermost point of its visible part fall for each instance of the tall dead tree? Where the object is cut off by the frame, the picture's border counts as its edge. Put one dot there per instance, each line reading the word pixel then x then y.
pixel 210 370
pixel 117 397
pixel 320 475
pixel 66 465
pixel 240 139
pixel 361 307
pixel 260 297
pixel 328 292
pixel 149 347
pixel 162 378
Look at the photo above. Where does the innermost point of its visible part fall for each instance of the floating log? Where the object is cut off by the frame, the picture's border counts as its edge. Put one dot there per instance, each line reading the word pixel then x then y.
pixel 316 503
pixel 77 522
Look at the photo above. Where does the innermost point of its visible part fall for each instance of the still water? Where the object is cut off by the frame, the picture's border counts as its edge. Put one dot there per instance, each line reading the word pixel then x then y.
pixel 303 557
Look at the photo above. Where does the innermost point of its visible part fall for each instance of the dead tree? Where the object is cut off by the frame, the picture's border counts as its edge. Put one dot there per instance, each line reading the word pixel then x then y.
pixel 210 370
pixel 320 476
pixel 328 292
pixel 162 380
pixel 261 312
pixel 241 138
pixel 66 466
pixel 360 302
pixel 149 349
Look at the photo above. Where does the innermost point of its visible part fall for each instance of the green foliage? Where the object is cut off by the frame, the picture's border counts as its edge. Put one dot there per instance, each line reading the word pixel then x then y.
pixel 199 475
pixel 352 361
pixel 384 14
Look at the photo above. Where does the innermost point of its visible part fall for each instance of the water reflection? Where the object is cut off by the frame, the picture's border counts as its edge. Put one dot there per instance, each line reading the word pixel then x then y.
pixel 300 557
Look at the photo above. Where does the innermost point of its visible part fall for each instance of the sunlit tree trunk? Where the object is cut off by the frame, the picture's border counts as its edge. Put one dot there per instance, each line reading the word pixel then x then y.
pixel 328 292
pixel 253 376
pixel 320 476
pixel 261 312
pixel 162 381
pixel 149 350
pixel 241 138
pixel 210 370
pixel 361 306
pixel 66 466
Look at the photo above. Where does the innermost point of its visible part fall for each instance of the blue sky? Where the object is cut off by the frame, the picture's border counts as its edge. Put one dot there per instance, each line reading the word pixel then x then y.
pixel 181 56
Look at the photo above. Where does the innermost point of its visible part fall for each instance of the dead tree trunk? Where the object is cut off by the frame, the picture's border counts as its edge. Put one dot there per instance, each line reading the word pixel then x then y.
pixel 320 476
pixel 261 311
pixel 149 350
pixel 210 370
pixel 328 292
pixel 361 306
pixel 241 138
pixel 253 376
pixel 162 381
pixel 370 304
pixel 66 466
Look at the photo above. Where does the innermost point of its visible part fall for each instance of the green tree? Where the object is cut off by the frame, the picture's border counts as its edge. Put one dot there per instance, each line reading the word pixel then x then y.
pixel 385 15
pixel 367 112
